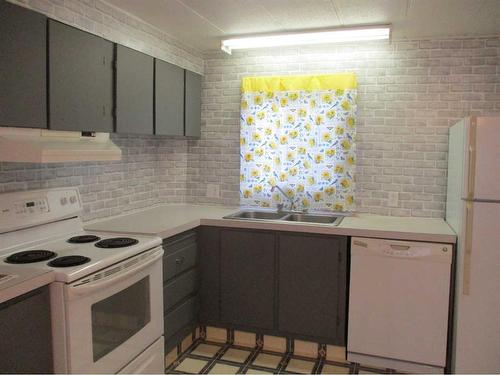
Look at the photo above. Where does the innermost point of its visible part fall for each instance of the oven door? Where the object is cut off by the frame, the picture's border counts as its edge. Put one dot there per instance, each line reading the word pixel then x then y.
pixel 114 315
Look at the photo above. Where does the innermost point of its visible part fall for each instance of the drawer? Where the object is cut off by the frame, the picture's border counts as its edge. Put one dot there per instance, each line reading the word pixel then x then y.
pixel 180 261
pixel 180 317
pixel 181 241
pixel 179 288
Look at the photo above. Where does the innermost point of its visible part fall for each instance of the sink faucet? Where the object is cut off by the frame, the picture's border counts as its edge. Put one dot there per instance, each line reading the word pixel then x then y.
pixel 290 199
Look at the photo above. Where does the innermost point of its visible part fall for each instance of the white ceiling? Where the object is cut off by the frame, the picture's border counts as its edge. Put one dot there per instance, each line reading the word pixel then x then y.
pixel 202 23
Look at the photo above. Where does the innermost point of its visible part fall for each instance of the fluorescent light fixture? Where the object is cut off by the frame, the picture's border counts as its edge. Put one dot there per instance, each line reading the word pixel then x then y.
pixel 311 37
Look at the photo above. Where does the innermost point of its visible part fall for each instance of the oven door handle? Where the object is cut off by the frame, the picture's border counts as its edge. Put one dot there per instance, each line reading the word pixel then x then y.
pixel 87 286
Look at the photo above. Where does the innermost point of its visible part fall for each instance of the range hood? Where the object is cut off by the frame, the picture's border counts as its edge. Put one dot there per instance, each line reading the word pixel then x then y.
pixel 52 146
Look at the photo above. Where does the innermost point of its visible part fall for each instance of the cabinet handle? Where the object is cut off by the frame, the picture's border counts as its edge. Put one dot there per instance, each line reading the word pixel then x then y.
pixel 179 260
pixel 399 247
pixel 360 243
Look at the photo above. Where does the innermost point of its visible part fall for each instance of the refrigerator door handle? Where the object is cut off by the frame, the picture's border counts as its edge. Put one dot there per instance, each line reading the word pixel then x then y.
pixel 471 158
pixel 479 200
pixel 468 248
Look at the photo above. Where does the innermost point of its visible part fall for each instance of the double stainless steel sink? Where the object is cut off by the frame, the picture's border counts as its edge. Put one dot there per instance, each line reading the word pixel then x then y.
pixel 318 218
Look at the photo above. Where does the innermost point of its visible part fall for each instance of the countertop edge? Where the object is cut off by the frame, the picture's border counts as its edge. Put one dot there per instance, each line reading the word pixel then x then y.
pixel 325 229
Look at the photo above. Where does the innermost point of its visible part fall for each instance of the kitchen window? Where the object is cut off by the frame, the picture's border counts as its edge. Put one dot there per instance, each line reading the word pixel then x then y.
pixel 298 132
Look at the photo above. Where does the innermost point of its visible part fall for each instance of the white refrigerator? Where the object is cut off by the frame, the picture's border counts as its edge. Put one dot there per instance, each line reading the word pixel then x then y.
pixel 473 211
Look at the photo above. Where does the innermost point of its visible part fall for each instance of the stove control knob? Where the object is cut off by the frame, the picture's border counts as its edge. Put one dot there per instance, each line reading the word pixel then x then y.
pixel 64 200
pixel 72 199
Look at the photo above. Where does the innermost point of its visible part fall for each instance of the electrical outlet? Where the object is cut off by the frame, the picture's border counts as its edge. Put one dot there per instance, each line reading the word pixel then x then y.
pixel 393 199
pixel 213 191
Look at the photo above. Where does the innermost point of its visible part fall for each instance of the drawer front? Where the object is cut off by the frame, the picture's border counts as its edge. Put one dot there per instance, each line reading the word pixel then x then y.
pixel 180 317
pixel 179 261
pixel 179 242
pixel 179 288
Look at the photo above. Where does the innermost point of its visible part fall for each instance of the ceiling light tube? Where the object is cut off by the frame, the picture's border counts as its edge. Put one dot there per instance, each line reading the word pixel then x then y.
pixel 312 37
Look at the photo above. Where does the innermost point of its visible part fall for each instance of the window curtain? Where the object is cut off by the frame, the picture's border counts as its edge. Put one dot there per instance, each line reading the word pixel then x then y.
pixel 298 132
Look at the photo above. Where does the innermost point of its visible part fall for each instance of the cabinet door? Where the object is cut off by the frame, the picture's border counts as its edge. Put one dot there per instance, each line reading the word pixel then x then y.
pixel 169 99
pixel 247 278
pixel 134 91
pixel 23 46
pixel 209 244
pixel 193 104
pixel 312 286
pixel 25 328
pixel 80 80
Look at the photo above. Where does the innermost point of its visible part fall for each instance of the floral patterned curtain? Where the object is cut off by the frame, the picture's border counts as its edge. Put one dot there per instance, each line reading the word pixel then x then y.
pixel 298 132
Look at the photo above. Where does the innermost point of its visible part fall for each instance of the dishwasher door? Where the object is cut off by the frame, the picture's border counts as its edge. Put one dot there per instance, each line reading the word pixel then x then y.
pixel 398 304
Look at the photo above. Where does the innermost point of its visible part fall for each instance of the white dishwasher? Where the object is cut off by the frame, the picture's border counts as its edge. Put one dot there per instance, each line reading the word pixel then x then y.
pixel 398 304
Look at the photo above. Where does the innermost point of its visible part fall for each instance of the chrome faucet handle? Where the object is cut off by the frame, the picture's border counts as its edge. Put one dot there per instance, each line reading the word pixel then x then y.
pixel 280 207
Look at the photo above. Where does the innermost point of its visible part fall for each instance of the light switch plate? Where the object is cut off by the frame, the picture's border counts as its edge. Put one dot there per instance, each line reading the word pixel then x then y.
pixel 213 191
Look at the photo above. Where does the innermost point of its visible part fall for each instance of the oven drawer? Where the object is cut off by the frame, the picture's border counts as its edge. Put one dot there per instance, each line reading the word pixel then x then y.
pixel 179 261
pixel 180 317
pixel 179 288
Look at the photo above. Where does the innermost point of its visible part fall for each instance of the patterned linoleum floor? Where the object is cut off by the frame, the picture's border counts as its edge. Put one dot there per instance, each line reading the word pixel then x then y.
pixel 205 357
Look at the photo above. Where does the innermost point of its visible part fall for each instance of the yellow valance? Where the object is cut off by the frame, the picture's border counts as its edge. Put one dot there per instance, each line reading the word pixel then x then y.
pixel 342 81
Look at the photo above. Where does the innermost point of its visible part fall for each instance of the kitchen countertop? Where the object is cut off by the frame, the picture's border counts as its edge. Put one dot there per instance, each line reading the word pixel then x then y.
pixel 25 280
pixel 167 220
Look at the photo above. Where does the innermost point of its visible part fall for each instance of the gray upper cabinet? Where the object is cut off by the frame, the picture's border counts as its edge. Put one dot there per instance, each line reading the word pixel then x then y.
pixel 247 278
pixel 134 91
pixel 312 286
pixel 193 104
pixel 169 99
pixel 80 80
pixel 23 95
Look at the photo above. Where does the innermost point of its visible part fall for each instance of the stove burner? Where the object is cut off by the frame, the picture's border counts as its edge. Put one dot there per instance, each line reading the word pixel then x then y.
pixel 68 261
pixel 84 239
pixel 112 243
pixel 30 256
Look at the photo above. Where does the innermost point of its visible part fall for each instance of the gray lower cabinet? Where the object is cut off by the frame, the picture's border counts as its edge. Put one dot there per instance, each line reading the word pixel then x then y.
pixel 312 286
pixel 23 48
pixel 134 91
pixel 25 329
pixel 247 290
pixel 209 245
pixel 281 283
pixel 193 104
pixel 169 99
pixel 180 287
pixel 80 80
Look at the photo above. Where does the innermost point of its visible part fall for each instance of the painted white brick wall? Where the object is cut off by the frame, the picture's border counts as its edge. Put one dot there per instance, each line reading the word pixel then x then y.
pixel 410 92
pixel 152 170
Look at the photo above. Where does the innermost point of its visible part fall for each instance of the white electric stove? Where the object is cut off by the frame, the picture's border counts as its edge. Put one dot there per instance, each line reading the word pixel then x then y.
pixel 73 255
pixel 106 302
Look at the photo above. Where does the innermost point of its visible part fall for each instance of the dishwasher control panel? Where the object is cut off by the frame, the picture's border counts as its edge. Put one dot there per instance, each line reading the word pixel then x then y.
pixel 401 249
